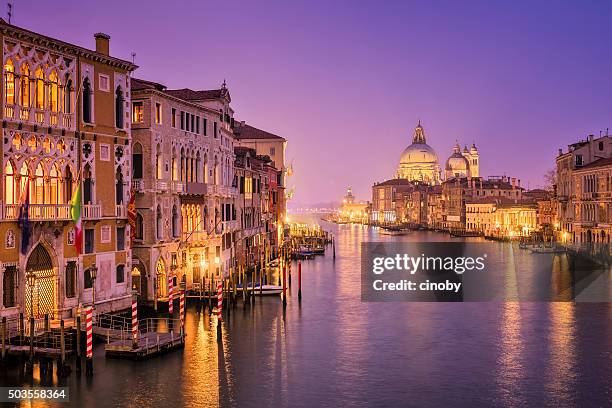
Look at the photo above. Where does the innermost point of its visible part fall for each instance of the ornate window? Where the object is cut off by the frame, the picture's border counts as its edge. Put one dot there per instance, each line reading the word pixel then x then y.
pixel 119 108
pixel 139 233
pixel 68 183
pixel 158 223
pixel 137 161
pixel 10 185
pixel 40 89
pixel 54 190
pixel 86 101
pixel 24 86
pixel 68 95
pixel 54 86
pixel 37 193
pixel 9 83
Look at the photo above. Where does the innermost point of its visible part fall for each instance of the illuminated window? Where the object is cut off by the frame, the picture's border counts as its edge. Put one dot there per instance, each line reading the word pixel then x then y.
pixel 32 143
pixel 17 141
pixel 9 83
pixel 158 113
pixel 53 92
pixel 24 86
pixel 37 195
pixel 10 187
pixel 173 117
pixel 40 89
pixel 54 189
pixel 137 112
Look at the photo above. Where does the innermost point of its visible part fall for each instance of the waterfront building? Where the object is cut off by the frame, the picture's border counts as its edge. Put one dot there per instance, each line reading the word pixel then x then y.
pixel 256 233
pixel 184 186
pixel 273 146
pixel 592 202
pixel 457 191
pixel 436 208
pixel 351 210
pixel 66 126
pixel 387 205
pixel 501 217
pixel 576 209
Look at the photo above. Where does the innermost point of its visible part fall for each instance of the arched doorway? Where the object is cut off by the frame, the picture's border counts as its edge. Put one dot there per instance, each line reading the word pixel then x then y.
pixel 40 298
pixel 160 281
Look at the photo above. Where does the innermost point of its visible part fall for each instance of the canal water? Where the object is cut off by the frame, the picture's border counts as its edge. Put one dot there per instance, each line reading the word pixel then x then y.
pixel 334 350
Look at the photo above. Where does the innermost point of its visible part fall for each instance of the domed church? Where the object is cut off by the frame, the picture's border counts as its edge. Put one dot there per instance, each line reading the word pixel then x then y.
pixel 419 161
pixel 462 164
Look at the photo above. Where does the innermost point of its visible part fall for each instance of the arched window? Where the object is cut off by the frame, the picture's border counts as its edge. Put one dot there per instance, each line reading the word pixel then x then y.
pixel 53 194
pixel 198 168
pixel 37 195
pixel 119 108
pixel 68 183
pixel 182 164
pixel 174 165
pixel 158 163
pixel 118 187
pixel 53 91
pixel 216 172
pixel 205 169
pixel 10 186
pixel 24 86
pixel 175 222
pixel 86 101
pixel 9 83
pixel 158 223
pixel 139 233
pixel 87 185
pixel 40 89
pixel 137 164
pixel 191 171
pixel 68 95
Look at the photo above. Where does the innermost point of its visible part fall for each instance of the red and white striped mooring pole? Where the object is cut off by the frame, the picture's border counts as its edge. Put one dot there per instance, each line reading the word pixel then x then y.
pixel 182 309
pixel 134 322
pixel 89 342
pixel 170 297
pixel 219 308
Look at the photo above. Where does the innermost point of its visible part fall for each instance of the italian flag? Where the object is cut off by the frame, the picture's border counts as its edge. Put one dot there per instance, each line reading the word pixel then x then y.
pixel 75 213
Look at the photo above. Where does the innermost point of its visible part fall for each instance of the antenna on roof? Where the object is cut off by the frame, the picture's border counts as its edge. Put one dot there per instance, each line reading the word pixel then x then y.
pixel 133 57
pixel 9 12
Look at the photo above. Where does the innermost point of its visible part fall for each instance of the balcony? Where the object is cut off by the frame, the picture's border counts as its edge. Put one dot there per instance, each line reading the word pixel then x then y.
pixel 41 117
pixel 196 188
pixel 138 185
pixel 120 211
pixel 91 211
pixel 229 225
pixel 178 187
pixel 161 185
pixel 38 212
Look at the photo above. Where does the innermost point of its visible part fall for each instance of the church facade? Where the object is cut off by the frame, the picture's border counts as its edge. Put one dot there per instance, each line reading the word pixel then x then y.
pixel 419 161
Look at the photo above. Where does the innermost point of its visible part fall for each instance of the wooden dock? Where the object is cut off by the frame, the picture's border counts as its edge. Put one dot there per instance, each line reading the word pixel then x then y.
pixel 149 345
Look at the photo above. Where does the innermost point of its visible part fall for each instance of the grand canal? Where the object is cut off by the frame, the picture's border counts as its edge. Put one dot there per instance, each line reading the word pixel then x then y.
pixel 334 350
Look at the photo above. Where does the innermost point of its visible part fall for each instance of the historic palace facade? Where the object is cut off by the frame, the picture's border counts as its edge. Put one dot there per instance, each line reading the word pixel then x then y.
pixel 81 136
pixel 66 122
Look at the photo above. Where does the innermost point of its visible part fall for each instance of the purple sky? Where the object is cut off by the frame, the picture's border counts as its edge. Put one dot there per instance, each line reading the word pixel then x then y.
pixel 345 82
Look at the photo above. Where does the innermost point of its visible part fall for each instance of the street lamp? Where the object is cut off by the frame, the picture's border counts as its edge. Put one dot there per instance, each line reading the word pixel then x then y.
pixel 93 273
pixel 31 278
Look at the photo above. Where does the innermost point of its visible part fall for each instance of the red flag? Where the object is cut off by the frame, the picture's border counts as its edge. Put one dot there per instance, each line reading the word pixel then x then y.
pixel 131 209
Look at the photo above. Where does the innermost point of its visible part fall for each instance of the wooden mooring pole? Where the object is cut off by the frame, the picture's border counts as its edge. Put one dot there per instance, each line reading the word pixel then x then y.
pixel 299 281
pixel 89 343
pixel 78 344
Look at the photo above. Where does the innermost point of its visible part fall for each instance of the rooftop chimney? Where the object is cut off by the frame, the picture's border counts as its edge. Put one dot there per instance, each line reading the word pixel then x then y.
pixel 102 43
pixel 560 152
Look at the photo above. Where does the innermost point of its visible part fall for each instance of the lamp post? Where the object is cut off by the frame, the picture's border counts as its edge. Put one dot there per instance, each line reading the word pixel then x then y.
pixel 31 278
pixel 93 273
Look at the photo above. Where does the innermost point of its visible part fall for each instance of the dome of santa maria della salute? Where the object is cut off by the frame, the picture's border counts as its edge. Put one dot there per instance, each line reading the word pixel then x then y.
pixel 419 161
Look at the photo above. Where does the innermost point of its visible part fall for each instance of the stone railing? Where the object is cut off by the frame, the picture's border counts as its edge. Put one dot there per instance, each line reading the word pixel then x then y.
pixel 91 211
pixel 38 212
pixel 138 185
pixel 41 117
pixel 121 211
